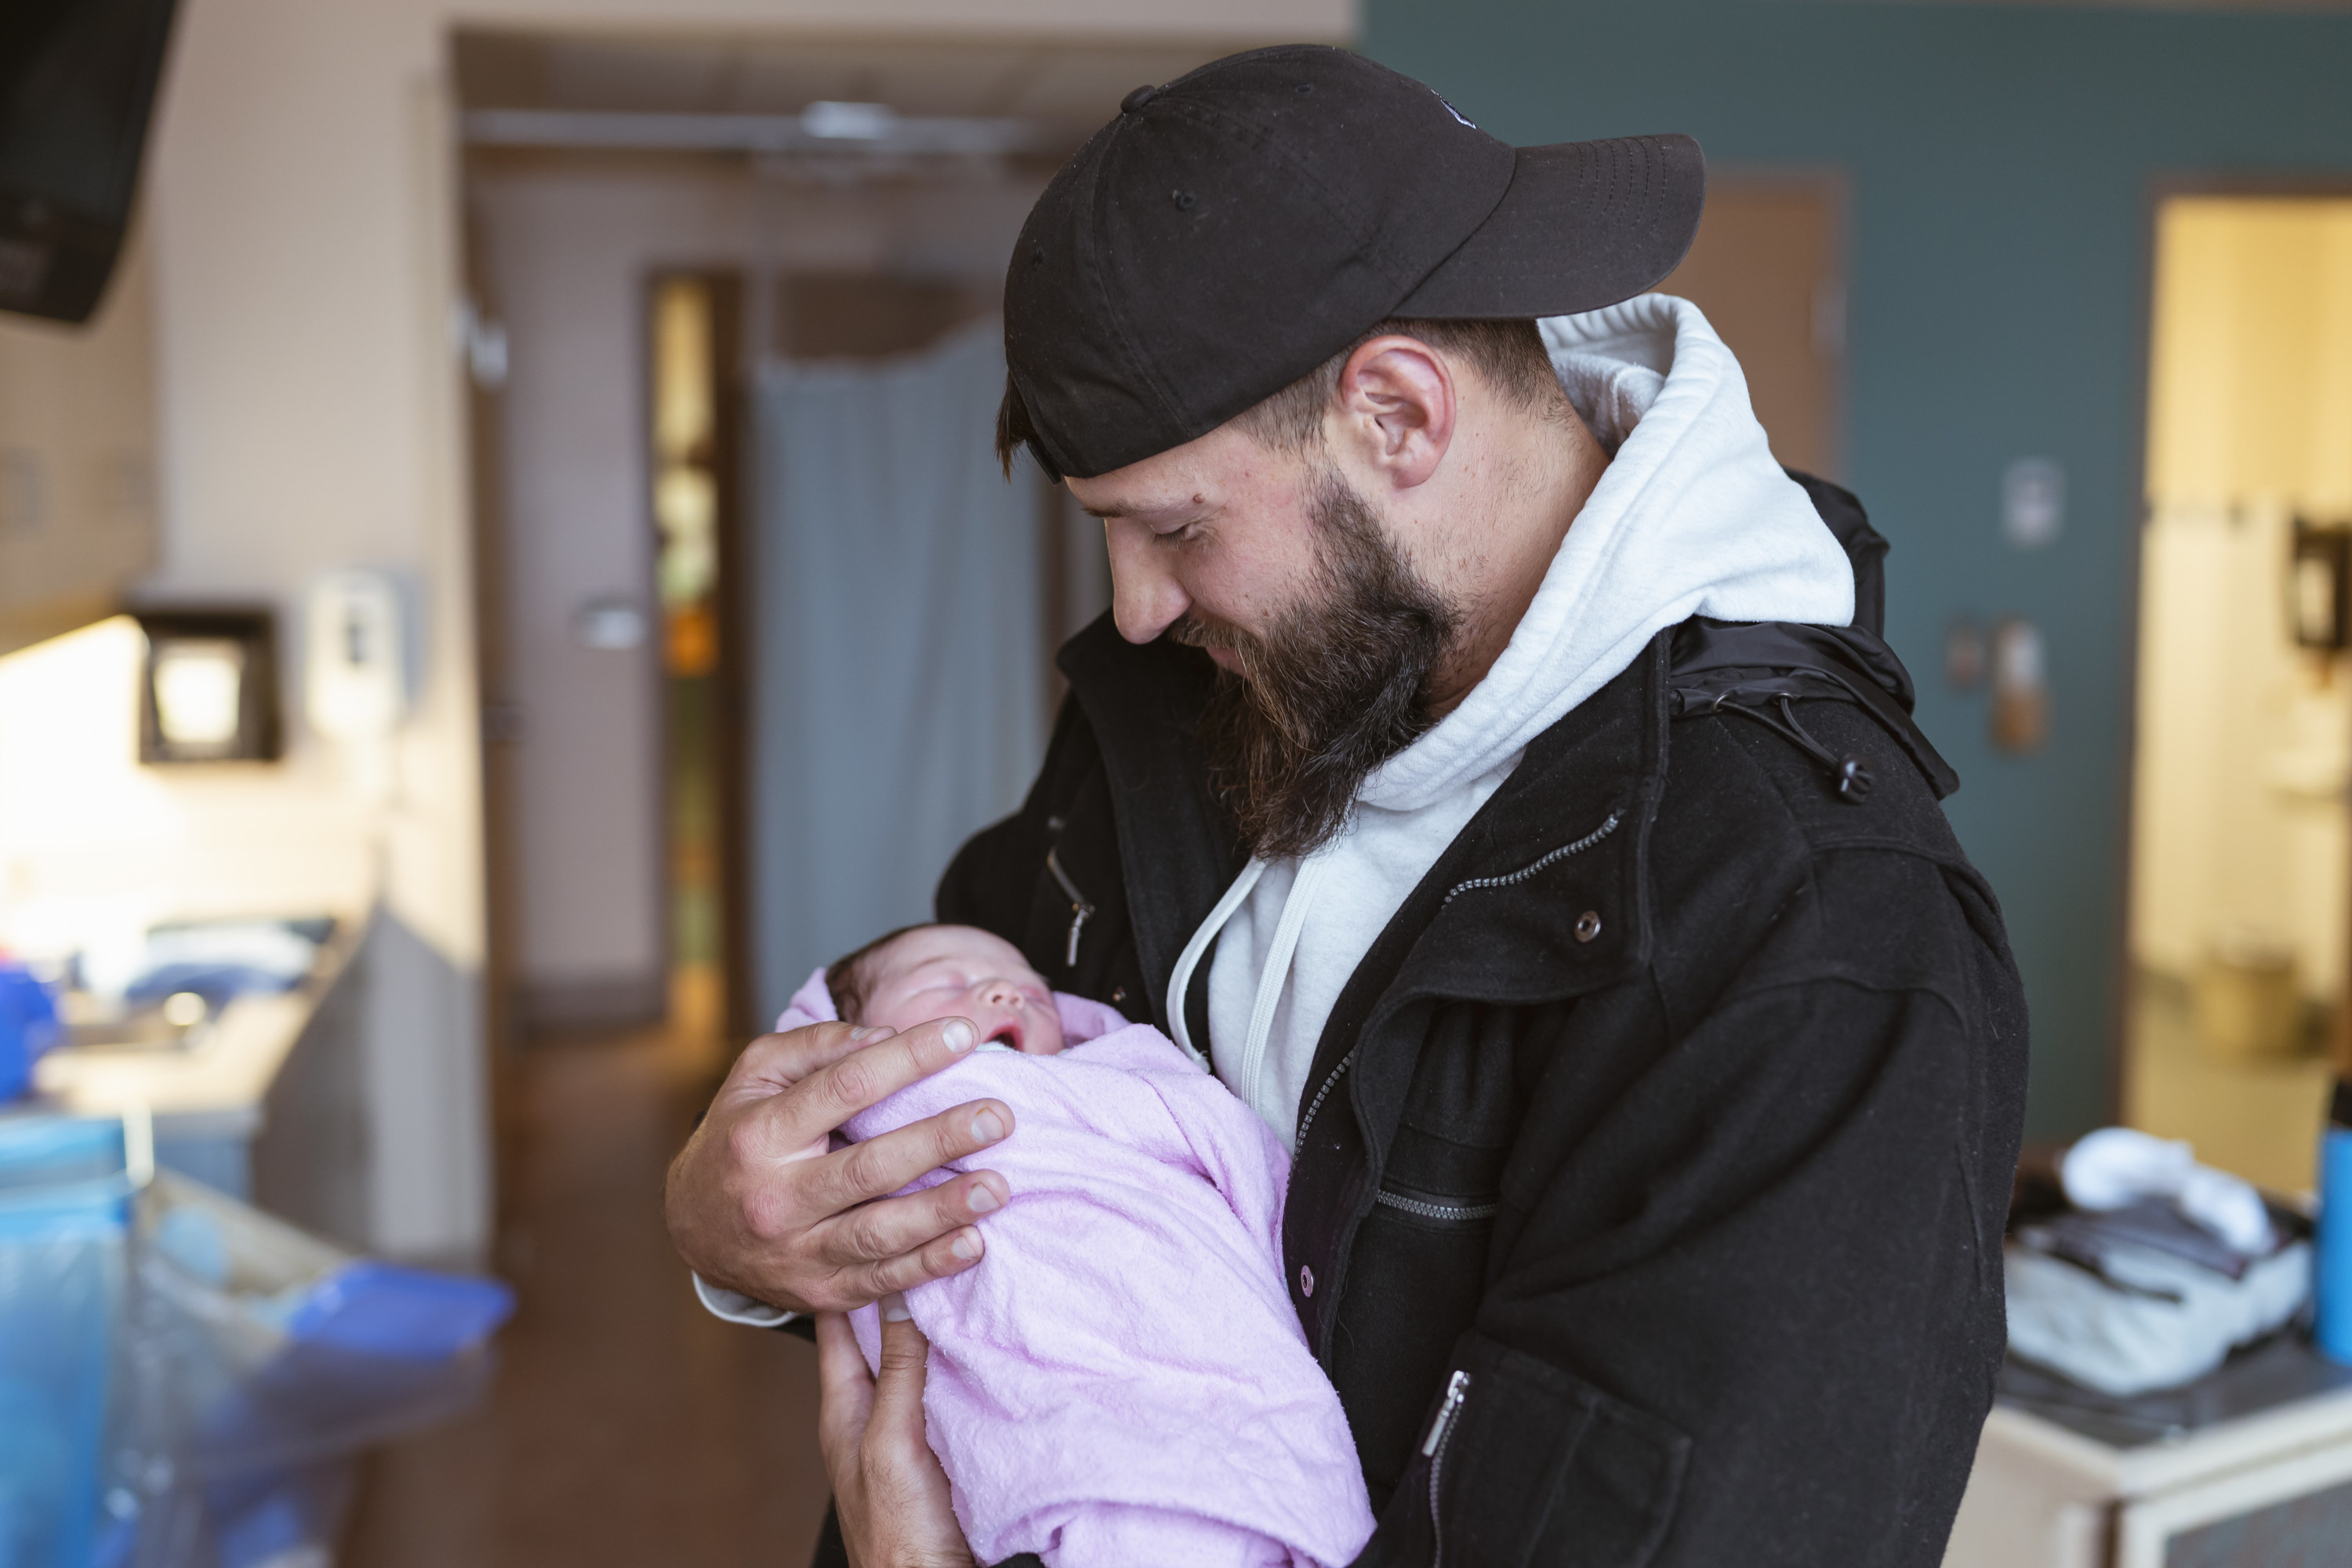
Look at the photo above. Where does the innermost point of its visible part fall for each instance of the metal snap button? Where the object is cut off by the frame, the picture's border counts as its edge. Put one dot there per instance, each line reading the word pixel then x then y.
pixel 1305 1280
pixel 1588 925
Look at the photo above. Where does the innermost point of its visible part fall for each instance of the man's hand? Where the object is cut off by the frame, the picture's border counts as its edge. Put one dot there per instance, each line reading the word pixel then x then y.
pixel 887 1488
pixel 757 1203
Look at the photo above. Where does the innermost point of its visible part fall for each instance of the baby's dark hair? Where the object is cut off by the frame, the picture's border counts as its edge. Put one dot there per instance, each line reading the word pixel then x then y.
pixel 845 976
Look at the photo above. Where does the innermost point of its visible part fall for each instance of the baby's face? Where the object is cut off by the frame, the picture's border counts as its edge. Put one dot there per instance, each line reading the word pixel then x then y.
pixel 958 972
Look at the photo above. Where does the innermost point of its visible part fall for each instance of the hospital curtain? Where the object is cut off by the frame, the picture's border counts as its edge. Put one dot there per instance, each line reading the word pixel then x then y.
pixel 897 698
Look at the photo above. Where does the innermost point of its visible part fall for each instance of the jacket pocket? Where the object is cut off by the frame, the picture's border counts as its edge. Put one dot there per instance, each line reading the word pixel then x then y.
pixel 1416 1273
pixel 1533 1465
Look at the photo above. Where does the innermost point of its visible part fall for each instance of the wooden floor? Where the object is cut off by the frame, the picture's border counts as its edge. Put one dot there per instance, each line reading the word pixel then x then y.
pixel 627 1426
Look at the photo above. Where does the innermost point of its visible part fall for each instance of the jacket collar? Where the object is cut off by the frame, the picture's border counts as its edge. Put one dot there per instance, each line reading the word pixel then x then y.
pixel 1176 846
pixel 1488 922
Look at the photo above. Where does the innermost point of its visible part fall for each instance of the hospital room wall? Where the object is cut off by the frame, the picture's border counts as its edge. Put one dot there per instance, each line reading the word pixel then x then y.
pixel 301 203
pixel 2001 162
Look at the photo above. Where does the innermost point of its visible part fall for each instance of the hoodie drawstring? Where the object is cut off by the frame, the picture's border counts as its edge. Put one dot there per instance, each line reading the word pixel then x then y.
pixel 1272 979
pixel 1181 982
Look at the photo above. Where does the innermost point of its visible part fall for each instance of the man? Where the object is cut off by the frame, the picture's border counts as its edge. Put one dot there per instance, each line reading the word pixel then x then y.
pixel 1484 769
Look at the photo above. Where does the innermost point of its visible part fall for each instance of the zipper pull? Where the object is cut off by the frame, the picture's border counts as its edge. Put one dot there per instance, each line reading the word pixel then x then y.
pixel 1456 1388
pixel 1080 911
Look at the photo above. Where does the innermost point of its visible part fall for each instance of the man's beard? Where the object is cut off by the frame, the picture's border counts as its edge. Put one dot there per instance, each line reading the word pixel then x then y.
pixel 1338 686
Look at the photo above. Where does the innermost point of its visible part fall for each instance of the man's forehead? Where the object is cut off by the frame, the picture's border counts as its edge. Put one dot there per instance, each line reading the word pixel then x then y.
pixel 1203 472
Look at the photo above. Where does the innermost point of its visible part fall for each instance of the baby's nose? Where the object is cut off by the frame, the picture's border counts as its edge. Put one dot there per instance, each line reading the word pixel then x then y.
pixel 1000 993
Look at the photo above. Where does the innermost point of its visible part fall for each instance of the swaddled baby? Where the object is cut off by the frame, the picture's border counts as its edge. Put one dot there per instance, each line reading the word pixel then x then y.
pixel 1121 1381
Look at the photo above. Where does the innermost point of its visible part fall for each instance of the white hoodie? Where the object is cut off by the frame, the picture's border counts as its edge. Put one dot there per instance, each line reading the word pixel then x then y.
pixel 1692 518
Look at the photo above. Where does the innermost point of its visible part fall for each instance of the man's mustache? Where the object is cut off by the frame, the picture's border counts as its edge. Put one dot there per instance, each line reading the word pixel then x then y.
pixel 1210 635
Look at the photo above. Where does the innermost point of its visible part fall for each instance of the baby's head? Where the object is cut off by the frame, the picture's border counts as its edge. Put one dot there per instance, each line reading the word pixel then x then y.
pixel 922 973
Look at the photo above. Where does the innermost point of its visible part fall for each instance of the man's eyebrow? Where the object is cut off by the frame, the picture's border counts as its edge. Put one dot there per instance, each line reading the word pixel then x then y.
pixel 1123 505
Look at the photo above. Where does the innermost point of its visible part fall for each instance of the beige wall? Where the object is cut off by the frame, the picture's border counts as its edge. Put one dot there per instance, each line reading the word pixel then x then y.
pixel 76 458
pixel 565 245
pixel 303 210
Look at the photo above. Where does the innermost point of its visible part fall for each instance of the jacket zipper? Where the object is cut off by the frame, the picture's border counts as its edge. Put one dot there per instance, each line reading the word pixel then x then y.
pixel 1432 1448
pixel 1081 912
pixel 1437 1211
pixel 1524 872
pixel 1316 1104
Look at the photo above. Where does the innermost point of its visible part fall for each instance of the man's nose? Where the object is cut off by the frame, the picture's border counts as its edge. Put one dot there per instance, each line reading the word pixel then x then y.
pixel 1145 598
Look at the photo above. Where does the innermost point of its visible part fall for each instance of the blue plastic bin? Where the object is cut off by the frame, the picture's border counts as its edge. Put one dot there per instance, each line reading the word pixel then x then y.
pixel 29 1025
pixel 261 1363
pixel 64 1210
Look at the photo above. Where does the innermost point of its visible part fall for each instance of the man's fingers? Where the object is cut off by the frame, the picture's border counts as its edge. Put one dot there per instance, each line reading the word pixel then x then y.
pixel 773 1063
pixel 866 1064
pixel 888 1226
pixel 878 1166
pixel 896 1413
pixel 861 1078
pixel 950 1253
pixel 846 1386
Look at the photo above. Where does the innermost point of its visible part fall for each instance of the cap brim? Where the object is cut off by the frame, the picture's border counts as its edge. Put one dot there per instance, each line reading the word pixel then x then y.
pixel 1583 225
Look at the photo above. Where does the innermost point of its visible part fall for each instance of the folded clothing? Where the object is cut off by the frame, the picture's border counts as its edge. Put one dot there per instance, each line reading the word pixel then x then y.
pixel 1122 1379
pixel 2118 1166
pixel 2159 1268
pixel 2147 1319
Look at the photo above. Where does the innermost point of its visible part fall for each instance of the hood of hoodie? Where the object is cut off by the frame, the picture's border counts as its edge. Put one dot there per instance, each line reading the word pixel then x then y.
pixel 1693 517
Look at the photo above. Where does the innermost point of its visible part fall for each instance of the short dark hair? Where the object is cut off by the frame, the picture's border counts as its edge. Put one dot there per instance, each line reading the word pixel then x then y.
pixel 846 979
pixel 1510 354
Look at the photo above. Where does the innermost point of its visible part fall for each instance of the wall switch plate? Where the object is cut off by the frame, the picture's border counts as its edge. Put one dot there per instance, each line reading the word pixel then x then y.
pixel 2033 502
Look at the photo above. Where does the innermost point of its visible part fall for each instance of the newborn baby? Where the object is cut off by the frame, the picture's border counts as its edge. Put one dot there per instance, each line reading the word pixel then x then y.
pixel 1121 1380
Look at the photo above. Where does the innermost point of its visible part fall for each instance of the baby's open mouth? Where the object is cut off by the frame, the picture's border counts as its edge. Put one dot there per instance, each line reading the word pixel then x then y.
pixel 1006 1034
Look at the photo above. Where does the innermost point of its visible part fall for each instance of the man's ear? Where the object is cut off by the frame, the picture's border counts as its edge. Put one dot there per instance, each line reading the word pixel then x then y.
pixel 1395 409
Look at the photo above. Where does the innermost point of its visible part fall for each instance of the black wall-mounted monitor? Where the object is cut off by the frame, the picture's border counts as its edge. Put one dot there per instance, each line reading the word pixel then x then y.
pixel 76 82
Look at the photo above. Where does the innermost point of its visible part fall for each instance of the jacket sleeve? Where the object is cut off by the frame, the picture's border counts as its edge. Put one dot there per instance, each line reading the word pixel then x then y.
pixel 1748 1310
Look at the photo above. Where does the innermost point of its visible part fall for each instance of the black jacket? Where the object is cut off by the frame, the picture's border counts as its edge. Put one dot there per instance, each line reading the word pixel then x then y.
pixel 1653 1168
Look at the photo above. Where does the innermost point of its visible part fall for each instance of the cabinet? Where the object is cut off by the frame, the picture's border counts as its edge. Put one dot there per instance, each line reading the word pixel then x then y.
pixel 2251 1467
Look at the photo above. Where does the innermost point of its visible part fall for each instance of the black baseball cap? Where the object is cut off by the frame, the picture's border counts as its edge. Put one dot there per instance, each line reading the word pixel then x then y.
pixel 1233 229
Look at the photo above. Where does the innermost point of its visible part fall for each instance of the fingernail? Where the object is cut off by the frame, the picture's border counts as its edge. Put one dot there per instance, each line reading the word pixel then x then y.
pixel 893 1309
pixel 966 1247
pixel 958 1035
pixel 987 1127
pixel 981 1201
pixel 859 1033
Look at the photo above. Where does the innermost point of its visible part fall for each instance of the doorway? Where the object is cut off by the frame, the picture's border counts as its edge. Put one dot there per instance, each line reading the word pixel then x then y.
pixel 694 471
pixel 1766 268
pixel 2240 906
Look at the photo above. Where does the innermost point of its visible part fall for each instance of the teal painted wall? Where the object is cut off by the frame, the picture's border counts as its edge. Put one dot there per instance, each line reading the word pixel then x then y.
pixel 2000 163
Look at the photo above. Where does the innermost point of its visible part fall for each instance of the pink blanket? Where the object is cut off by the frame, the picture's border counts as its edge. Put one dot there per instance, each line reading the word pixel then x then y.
pixel 1122 1382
